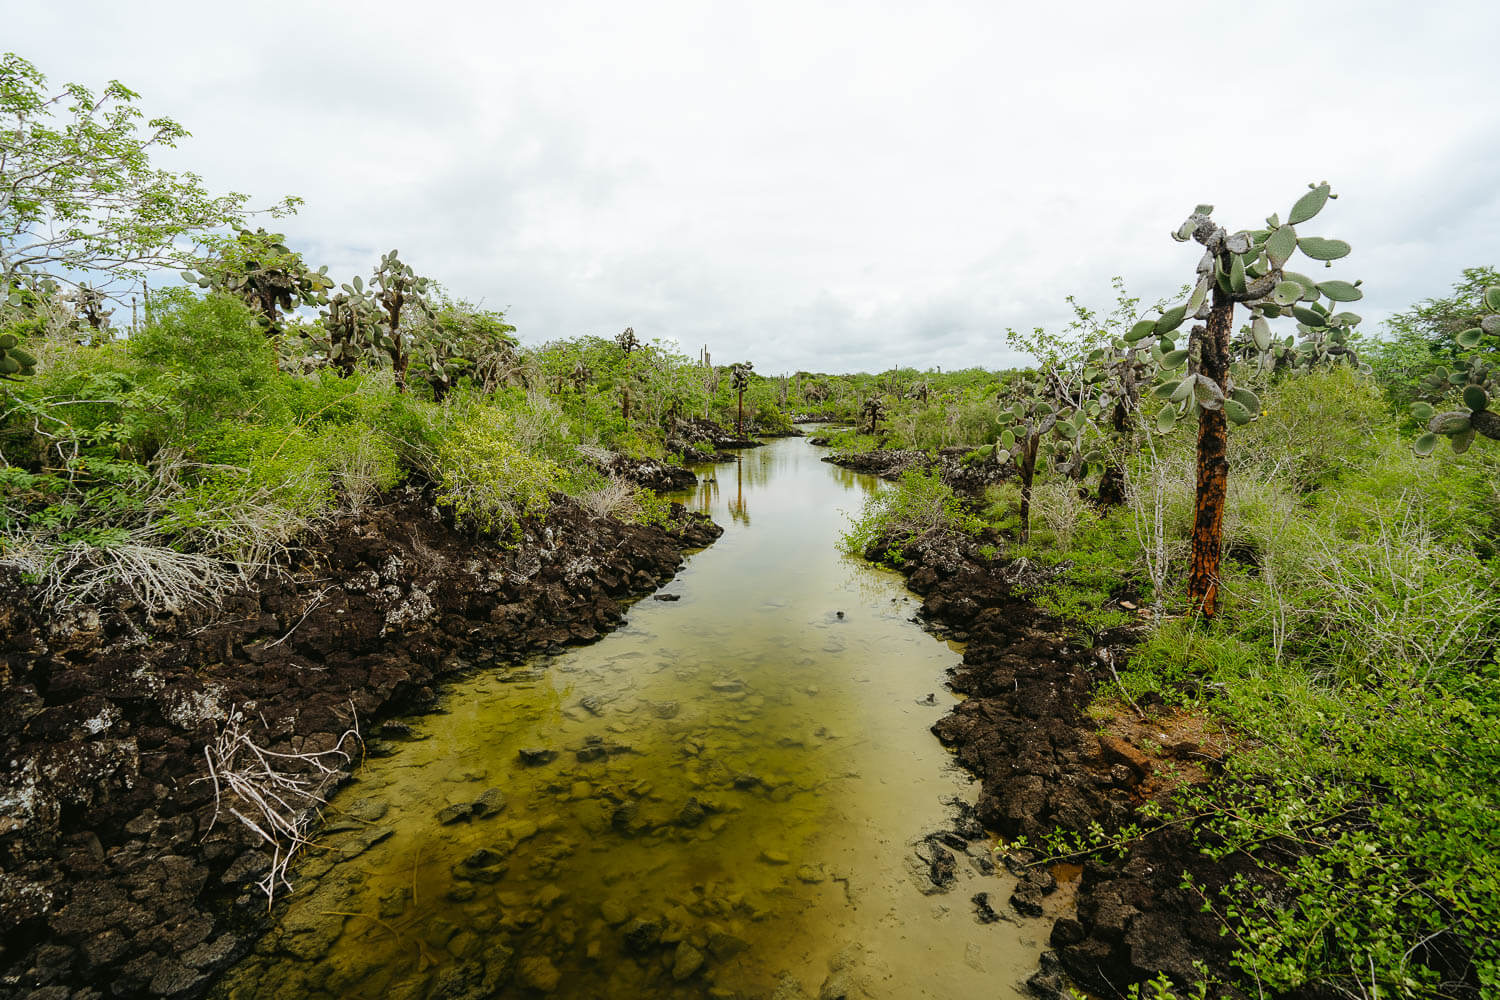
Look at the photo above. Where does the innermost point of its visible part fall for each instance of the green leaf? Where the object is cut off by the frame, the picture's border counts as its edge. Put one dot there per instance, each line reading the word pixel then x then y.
pixel 1281 245
pixel 1237 274
pixel 1286 293
pixel 1174 359
pixel 1200 293
pixel 1492 298
pixel 1320 249
pixel 1260 332
pixel 1310 316
pixel 1425 444
pixel 1475 398
pixel 1470 338
pixel 1461 441
pixel 1237 412
pixel 1141 331
pixel 1166 389
pixel 1171 319
pixel 1166 419
pixel 1247 399
pixel 1340 291
pixel 1422 412
pixel 1309 204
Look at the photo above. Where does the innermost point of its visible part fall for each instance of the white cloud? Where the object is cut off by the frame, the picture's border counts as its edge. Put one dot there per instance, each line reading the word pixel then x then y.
pixel 817 186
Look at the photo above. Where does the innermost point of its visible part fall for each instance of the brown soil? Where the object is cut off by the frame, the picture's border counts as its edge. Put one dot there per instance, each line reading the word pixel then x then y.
pixel 114 880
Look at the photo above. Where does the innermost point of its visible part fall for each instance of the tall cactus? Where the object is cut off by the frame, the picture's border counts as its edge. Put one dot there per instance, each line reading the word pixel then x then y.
pixel 397 286
pixel 739 377
pixel 352 323
pixel 263 272
pixel 1248 268
pixel 1475 380
pixel 871 412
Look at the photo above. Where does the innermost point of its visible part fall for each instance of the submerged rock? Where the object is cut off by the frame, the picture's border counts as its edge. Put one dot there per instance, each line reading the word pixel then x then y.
pixel 535 756
pixel 686 961
pixel 490 803
pixel 641 935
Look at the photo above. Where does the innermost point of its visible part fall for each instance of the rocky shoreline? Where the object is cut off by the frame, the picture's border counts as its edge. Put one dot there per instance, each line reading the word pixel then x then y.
pixel 969 479
pixel 1044 765
pixel 116 880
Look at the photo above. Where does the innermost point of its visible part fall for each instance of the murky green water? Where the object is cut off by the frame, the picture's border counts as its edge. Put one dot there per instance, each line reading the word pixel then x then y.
pixel 727 792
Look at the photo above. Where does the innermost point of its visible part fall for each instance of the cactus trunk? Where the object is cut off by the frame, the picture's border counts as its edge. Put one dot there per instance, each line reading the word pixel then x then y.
pixel 1112 482
pixel 741 423
pixel 1213 462
pixel 1027 468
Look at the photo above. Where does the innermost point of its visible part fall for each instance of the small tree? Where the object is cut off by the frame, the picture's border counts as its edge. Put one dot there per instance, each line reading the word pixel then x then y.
pixel 78 194
pixel 1037 409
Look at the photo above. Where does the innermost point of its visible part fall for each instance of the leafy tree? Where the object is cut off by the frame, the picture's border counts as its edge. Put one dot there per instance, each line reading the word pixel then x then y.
pixel 79 198
pixel 1246 268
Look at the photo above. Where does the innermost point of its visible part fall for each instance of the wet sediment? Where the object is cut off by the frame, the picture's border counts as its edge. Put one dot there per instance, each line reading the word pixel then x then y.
pixel 116 880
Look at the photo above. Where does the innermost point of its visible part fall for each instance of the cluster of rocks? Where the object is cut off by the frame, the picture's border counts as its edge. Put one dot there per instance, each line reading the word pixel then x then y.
pixel 116 874
pixel 966 478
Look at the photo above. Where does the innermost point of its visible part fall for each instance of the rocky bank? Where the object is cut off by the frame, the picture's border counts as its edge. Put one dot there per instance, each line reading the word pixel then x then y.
pixel 1044 764
pixel 116 880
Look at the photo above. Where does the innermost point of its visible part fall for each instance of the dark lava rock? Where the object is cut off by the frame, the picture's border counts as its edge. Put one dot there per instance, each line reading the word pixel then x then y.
pixel 455 814
pixel 983 910
pixel 535 756
pixel 1026 901
pixel 1066 931
pixel 491 802
pixel 110 878
pixel 666 597
pixel 641 935
pixel 691 814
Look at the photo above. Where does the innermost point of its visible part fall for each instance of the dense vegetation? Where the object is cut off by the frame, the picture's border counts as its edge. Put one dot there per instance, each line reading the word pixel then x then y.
pixel 1346 639
pixel 1353 655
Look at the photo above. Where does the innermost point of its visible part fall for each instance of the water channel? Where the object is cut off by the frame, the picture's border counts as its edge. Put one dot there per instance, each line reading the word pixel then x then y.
pixel 722 794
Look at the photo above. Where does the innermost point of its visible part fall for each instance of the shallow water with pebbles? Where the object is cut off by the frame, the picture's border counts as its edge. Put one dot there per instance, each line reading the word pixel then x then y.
pixel 728 797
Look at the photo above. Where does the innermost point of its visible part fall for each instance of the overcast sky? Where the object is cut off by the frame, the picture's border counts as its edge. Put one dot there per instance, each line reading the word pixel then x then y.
pixel 818 186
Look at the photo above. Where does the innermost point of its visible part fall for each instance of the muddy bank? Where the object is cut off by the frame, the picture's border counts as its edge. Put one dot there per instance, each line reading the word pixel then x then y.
pixel 1045 765
pixel 115 882
pixel 891 463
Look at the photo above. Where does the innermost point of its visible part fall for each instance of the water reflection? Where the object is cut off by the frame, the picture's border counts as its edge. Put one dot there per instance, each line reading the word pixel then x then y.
pixel 722 791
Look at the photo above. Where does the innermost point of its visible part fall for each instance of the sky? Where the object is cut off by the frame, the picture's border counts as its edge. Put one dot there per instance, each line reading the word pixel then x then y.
pixel 818 186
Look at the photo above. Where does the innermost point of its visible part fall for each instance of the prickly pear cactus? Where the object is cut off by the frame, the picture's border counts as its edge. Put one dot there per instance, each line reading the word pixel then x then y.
pixel 262 271
pixel 626 340
pixel 1249 268
pixel 1475 383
